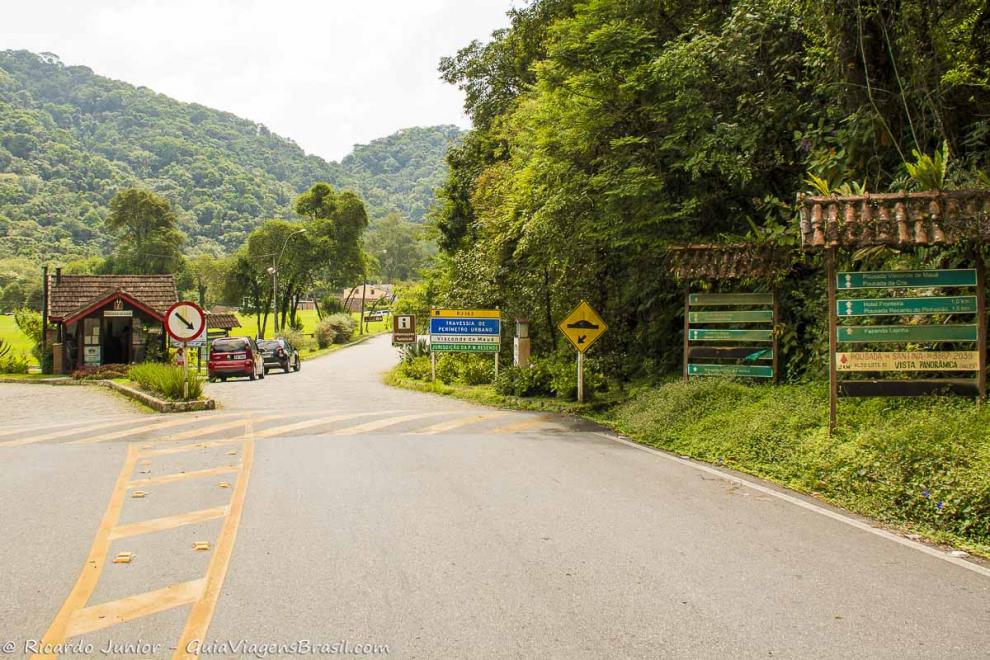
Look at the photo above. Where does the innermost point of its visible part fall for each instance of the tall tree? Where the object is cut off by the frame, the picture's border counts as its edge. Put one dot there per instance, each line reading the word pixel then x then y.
pixel 146 235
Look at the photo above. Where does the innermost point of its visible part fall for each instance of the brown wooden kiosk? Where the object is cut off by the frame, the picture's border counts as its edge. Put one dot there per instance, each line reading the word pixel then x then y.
pixel 105 319
pixel 937 316
pixel 728 332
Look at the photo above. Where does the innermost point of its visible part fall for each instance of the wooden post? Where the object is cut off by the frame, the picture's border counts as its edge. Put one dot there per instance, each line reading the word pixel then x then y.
pixel 496 364
pixel 580 377
pixel 687 351
pixel 776 343
pixel 981 324
pixel 433 364
pixel 833 383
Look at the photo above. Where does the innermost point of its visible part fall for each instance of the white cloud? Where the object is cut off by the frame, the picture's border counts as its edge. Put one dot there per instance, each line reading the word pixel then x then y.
pixel 326 74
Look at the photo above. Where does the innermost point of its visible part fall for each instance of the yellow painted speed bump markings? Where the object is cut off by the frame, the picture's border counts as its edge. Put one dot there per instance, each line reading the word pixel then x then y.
pixel 201 545
pixel 168 522
pixel 154 426
pixel 181 476
pixel 178 449
pixel 123 558
pixel 114 612
pixel 310 423
pixel 384 423
pixel 457 423
pixel 226 426
pixel 75 430
pixel 524 425
pixel 138 494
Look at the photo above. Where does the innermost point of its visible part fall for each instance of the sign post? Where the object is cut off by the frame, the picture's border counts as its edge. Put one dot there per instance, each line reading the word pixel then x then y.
pixel 185 321
pixel 582 327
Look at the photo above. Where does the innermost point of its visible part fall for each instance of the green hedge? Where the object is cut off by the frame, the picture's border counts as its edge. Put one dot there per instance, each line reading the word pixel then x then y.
pixel 165 380
pixel 922 463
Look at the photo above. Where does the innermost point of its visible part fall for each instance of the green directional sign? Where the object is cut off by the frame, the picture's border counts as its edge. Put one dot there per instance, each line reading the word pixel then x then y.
pixel 730 299
pixel 748 316
pixel 711 334
pixel 749 370
pixel 904 306
pixel 440 347
pixel 898 333
pixel 906 278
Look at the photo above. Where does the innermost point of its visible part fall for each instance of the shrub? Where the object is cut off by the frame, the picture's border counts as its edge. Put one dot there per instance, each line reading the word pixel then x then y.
pixel 448 368
pixel 11 363
pixel 296 338
pixel 532 380
pixel 164 380
pixel 478 369
pixel 334 329
pixel 29 322
pixel 331 304
pixel 418 368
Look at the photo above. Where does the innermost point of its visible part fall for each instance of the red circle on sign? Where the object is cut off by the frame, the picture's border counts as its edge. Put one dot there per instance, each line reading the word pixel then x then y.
pixel 201 320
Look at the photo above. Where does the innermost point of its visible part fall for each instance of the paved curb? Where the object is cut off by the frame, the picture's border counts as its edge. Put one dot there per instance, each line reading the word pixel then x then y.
pixel 156 404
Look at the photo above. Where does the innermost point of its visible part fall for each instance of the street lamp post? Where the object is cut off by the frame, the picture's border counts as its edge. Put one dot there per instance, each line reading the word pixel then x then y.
pixel 274 271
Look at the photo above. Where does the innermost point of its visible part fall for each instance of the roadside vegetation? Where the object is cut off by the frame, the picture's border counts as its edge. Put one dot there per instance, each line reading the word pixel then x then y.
pixel 165 381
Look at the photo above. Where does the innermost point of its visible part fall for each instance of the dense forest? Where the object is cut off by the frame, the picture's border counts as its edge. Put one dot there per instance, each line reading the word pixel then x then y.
pixel 70 139
pixel 605 131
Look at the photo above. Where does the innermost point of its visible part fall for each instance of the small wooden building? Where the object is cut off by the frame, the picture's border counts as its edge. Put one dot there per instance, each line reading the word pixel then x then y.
pixel 105 319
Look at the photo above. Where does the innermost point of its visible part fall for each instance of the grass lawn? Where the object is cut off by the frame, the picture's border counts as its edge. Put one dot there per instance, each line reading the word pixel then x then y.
pixel 12 336
pixel 249 325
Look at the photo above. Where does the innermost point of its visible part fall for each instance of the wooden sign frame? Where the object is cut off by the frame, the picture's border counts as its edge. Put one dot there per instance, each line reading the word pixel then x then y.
pixel 932 333
pixel 744 348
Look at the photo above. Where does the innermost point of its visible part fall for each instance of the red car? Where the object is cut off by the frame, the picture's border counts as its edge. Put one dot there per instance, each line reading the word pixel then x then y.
pixel 235 356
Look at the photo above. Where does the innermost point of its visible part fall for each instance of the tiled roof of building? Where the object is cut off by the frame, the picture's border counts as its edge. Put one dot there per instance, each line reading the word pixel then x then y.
pixel 894 219
pixel 728 261
pixel 75 292
pixel 222 321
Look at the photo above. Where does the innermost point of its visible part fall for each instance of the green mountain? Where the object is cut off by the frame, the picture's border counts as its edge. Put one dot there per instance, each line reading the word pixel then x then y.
pixel 69 139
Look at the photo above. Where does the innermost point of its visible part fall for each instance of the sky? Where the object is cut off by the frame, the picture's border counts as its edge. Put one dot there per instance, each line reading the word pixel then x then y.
pixel 328 74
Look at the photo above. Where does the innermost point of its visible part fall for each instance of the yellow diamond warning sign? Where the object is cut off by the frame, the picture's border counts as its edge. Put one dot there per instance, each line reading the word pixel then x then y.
pixel 583 326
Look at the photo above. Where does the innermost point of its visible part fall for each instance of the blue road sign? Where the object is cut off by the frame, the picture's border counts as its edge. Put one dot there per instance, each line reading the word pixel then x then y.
pixel 464 326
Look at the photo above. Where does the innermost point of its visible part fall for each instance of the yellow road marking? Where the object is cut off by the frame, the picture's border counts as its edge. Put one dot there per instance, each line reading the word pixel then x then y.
pixel 155 426
pixel 109 614
pixel 41 428
pixel 168 522
pixel 384 423
pixel 457 423
pixel 206 430
pixel 523 426
pixel 196 445
pixel 64 434
pixel 86 582
pixel 201 613
pixel 182 476
pixel 309 423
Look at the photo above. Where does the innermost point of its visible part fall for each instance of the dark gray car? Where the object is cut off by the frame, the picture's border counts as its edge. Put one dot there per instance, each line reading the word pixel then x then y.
pixel 279 353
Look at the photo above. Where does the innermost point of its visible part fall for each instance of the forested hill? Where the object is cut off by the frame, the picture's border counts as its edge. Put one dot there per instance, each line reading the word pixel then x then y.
pixel 69 139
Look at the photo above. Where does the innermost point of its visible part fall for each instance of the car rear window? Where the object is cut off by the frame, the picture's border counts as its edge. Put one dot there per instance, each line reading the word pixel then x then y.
pixel 268 344
pixel 229 345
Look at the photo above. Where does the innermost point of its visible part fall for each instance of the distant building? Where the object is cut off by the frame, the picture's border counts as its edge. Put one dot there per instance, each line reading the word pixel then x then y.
pixel 375 296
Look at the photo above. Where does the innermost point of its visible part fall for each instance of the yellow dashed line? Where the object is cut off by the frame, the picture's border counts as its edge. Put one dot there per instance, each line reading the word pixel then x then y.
pixel 164 424
pixel 28 440
pixel 452 424
pixel 289 428
pixel 384 423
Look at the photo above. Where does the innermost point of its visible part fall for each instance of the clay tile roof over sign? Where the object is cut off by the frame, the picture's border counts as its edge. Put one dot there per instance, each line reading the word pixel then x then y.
pixel 895 219
pixel 727 261
pixel 74 292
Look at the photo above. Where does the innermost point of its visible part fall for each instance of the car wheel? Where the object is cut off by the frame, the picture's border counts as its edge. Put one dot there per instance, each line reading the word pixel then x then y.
pixel 263 373
pixel 298 365
pixel 287 366
pixel 253 375
pixel 223 379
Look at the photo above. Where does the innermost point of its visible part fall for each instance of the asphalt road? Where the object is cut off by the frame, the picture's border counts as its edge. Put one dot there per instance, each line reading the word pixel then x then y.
pixel 339 511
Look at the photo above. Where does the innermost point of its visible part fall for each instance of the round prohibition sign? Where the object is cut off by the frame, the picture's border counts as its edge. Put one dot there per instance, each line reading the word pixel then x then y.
pixel 184 321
